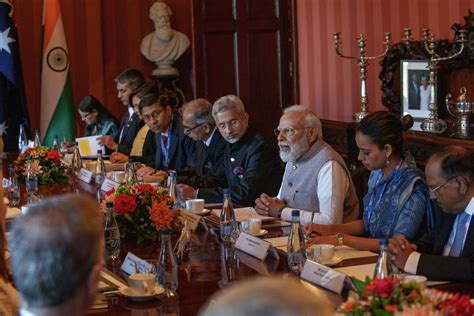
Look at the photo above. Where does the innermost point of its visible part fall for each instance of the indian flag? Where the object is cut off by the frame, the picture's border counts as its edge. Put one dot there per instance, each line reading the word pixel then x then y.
pixel 57 107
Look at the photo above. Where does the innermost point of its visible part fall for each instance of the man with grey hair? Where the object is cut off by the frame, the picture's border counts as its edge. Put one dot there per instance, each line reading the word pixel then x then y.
pixel 250 166
pixel 269 296
pixel 57 251
pixel 316 179
pixel 199 125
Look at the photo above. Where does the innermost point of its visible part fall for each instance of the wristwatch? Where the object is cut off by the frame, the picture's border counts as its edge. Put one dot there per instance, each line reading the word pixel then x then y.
pixel 340 239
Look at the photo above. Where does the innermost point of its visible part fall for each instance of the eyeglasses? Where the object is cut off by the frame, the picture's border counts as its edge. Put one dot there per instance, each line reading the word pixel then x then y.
pixel 435 191
pixel 84 117
pixel 154 115
pixel 288 131
pixel 187 130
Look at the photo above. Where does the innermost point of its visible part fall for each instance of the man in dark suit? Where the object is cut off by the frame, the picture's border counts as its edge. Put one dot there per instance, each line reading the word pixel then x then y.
pixel 200 126
pixel 447 253
pixel 251 165
pixel 414 93
pixel 173 149
pixel 127 81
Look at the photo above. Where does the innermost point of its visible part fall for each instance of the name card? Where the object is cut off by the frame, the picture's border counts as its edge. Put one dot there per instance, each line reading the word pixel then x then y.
pixel 323 276
pixel 193 219
pixel 85 175
pixel 131 263
pixel 109 184
pixel 252 245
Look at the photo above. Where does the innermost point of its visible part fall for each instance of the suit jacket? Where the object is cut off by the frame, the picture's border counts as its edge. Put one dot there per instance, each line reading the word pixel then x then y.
pixel 251 167
pixel 149 150
pixel 413 96
pixel 130 130
pixel 181 148
pixel 433 264
pixel 206 160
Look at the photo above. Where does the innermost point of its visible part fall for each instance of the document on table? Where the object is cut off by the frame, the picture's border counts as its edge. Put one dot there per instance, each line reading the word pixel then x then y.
pixel 244 213
pixel 88 146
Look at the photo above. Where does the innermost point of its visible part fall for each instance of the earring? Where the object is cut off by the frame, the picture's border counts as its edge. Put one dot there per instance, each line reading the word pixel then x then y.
pixel 388 161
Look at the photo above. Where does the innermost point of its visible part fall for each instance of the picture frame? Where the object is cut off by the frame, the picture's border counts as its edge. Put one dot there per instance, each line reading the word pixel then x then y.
pixel 415 89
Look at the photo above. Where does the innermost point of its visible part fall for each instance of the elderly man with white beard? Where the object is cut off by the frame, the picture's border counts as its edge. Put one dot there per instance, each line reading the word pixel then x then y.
pixel 316 179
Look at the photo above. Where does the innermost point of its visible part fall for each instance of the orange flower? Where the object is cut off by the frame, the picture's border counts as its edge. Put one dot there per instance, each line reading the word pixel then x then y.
pixel 161 214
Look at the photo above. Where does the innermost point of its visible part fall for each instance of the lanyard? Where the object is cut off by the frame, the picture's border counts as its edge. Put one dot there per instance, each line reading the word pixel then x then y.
pixel 165 152
pixel 372 203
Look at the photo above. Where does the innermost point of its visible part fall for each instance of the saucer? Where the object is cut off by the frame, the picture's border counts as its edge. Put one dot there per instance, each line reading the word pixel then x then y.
pixel 333 261
pixel 133 296
pixel 260 233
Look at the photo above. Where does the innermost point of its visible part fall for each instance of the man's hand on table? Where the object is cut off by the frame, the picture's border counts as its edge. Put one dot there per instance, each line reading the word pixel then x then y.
pixel 400 249
pixel 268 206
pixel 117 157
pixel 187 191
pixel 159 176
pixel 145 171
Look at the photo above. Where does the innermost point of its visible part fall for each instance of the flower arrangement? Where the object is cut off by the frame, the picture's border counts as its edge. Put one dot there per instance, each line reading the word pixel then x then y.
pixel 391 297
pixel 142 211
pixel 46 163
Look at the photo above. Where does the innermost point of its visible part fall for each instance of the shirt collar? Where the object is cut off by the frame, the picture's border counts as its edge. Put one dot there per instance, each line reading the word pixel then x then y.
pixel 130 111
pixel 207 142
pixel 470 207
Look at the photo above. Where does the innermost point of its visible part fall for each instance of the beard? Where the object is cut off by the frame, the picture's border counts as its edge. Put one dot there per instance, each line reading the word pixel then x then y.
pixel 291 152
pixel 164 33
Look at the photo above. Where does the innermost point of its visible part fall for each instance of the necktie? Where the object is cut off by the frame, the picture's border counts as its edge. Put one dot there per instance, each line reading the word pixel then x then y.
pixel 456 248
pixel 164 140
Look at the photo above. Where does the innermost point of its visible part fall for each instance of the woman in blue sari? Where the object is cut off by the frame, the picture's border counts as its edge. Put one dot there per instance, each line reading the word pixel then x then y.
pixel 397 201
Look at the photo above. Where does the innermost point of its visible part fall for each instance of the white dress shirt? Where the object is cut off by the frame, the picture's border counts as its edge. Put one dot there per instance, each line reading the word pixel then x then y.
pixel 331 202
pixel 412 262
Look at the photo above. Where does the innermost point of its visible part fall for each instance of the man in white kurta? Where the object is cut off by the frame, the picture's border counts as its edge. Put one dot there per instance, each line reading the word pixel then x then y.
pixel 316 179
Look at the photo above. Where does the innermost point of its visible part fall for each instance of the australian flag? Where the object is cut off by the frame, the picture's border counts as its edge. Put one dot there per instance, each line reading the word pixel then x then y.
pixel 13 108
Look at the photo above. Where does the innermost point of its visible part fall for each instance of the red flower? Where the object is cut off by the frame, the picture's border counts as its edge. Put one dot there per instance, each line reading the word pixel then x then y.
pixel 54 157
pixel 124 204
pixel 380 287
pixel 145 187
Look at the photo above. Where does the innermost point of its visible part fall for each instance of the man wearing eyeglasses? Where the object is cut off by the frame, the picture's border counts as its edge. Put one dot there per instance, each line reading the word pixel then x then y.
pixel 447 252
pixel 173 149
pixel 200 126
pixel 316 179
pixel 250 164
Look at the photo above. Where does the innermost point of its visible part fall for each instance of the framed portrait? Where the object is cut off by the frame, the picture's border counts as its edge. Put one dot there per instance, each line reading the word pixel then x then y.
pixel 416 90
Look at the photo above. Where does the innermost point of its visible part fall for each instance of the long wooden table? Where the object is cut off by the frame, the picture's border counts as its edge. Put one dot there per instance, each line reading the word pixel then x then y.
pixel 205 268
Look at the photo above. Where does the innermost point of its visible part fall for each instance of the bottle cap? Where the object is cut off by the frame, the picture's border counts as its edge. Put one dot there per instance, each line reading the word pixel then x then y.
pixel 295 213
pixel 383 241
pixel 99 151
pixel 109 204
pixel 131 160
pixel 226 191
pixel 172 174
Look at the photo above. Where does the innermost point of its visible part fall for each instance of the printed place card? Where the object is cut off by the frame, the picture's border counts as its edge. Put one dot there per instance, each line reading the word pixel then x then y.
pixel 323 276
pixel 108 185
pixel 131 263
pixel 85 175
pixel 252 245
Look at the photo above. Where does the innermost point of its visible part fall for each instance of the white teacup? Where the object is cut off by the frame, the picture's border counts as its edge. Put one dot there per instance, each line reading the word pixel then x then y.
pixel 117 176
pixel 419 279
pixel 195 205
pixel 142 283
pixel 322 252
pixel 255 225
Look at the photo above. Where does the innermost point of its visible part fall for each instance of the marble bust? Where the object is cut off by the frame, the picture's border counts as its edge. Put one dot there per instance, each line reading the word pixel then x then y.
pixel 165 45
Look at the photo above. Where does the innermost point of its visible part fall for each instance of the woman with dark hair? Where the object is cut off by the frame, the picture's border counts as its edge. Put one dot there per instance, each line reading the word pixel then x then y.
pixel 99 121
pixel 397 201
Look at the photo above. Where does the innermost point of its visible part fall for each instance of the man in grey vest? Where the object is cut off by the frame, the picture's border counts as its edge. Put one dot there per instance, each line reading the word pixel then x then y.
pixel 316 179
